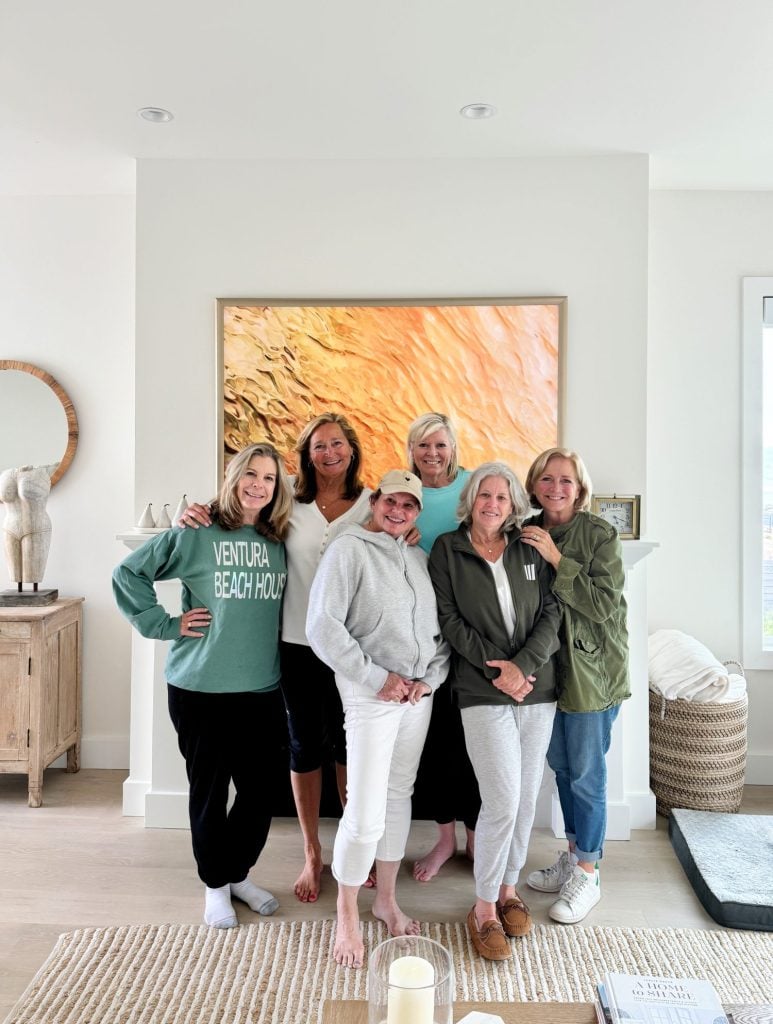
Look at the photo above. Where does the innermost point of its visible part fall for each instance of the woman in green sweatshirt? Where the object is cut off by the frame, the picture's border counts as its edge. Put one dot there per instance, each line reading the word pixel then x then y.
pixel 223 666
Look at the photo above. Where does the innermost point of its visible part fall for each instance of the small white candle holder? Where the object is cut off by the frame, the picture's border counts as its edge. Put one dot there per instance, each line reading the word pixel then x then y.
pixel 410 981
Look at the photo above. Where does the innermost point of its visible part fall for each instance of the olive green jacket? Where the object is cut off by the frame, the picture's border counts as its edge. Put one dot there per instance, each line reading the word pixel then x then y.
pixel 592 664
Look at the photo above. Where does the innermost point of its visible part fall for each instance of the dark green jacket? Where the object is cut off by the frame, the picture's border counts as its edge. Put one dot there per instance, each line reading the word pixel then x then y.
pixel 472 623
pixel 592 664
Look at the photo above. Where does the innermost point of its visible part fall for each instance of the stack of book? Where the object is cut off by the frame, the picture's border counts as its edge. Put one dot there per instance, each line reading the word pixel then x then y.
pixel 624 998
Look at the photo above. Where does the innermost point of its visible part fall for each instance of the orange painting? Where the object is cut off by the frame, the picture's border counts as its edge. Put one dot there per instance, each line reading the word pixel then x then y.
pixel 493 368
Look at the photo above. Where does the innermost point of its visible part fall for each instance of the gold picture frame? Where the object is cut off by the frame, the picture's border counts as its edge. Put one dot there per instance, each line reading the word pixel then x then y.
pixel 495 365
pixel 620 510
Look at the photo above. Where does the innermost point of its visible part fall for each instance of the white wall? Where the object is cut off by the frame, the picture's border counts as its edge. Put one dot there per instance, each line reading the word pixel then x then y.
pixel 66 294
pixel 702 245
pixel 575 227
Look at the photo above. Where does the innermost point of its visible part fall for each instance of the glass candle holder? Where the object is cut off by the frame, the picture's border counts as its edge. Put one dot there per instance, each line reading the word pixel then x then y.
pixel 410 981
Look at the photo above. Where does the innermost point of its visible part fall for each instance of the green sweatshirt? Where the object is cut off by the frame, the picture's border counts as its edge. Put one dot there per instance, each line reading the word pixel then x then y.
pixel 592 663
pixel 239 576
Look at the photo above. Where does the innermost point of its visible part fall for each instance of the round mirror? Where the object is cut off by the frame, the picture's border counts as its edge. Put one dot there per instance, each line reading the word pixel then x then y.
pixel 38 425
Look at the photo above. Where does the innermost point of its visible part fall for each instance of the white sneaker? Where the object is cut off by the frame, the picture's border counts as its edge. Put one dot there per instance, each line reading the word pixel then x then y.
pixel 553 878
pixel 578 896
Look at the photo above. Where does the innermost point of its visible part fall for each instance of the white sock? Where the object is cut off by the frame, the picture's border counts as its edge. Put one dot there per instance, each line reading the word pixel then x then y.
pixel 257 899
pixel 218 912
pixel 573 858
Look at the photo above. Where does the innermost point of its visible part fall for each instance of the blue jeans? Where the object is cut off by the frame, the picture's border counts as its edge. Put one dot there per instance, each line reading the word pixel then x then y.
pixel 577 754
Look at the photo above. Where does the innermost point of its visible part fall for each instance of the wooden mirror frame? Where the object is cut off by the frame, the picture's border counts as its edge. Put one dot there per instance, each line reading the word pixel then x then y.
pixel 69 411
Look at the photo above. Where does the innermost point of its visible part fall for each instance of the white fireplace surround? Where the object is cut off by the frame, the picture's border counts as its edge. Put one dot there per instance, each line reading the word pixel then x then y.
pixel 157 788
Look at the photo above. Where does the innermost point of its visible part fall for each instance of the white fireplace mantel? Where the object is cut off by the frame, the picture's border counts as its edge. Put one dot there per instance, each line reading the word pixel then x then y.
pixel 158 790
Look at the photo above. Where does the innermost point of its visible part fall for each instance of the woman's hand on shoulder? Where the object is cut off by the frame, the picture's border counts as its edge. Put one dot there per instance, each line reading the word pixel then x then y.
pixel 541 540
pixel 511 680
pixel 394 690
pixel 195 516
pixel 412 537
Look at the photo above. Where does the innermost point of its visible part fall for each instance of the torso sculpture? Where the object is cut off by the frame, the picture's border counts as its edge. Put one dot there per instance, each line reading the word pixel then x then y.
pixel 27 526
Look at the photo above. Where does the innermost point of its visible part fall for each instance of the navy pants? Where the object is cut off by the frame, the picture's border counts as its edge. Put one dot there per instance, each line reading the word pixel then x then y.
pixel 227 737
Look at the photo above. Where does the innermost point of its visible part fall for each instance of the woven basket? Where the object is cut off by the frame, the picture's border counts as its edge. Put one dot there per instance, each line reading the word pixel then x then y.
pixel 697 754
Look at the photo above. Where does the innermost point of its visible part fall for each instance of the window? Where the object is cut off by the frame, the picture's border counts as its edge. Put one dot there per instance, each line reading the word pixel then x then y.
pixel 757 488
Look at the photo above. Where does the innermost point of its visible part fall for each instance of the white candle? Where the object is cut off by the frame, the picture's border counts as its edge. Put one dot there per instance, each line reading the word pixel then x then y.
pixel 411 996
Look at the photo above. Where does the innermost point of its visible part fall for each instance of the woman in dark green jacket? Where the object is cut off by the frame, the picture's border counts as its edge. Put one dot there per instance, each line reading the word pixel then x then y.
pixel 498 614
pixel 591 668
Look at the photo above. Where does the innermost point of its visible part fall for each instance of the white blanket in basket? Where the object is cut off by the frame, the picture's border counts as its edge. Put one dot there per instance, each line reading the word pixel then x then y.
pixel 680 666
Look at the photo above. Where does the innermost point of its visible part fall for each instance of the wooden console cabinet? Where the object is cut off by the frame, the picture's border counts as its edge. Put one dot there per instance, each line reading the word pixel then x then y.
pixel 40 689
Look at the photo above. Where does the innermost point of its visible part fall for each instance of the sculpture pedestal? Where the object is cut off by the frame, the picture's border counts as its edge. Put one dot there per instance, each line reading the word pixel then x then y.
pixel 27 598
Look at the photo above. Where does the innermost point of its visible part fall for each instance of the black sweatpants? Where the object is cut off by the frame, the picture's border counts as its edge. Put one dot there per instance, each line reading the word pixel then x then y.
pixel 224 737
pixel 446 786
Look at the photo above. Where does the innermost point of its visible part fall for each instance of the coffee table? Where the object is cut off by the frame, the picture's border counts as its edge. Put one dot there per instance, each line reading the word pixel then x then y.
pixel 355 1011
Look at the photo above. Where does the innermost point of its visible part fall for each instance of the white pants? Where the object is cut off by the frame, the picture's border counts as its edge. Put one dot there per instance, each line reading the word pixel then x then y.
pixel 507 747
pixel 383 747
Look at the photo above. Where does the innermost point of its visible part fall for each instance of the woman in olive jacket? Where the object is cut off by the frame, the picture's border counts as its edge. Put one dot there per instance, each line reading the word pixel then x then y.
pixel 498 614
pixel 591 668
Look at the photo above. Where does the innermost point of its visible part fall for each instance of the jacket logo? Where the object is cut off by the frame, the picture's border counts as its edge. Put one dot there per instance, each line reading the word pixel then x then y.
pixel 530 572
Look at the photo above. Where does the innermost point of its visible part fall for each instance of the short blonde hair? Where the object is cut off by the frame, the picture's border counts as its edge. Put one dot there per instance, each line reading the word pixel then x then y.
pixel 517 494
pixel 306 478
pixel 537 468
pixel 422 427
pixel 274 519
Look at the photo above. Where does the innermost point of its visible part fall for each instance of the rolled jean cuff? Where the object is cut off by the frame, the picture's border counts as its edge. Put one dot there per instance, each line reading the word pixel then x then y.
pixel 586 857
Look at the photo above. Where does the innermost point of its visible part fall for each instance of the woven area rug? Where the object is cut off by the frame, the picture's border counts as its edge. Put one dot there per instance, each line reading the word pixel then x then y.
pixel 280 972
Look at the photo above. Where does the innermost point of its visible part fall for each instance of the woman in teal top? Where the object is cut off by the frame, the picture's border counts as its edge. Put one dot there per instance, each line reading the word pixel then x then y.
pixel 446 780
pixel 223 666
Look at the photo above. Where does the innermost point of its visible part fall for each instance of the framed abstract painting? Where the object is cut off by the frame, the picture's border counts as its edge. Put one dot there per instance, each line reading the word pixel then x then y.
pixel 493 365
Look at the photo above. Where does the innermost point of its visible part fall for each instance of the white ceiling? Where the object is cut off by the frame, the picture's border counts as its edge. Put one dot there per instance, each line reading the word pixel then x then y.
pixel 689 82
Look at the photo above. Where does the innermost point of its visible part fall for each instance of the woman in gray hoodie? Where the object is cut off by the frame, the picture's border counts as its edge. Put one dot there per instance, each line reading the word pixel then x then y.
pixel 373 619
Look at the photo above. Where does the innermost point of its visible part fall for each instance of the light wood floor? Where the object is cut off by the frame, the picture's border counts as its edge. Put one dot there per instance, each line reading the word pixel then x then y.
pixel 77 862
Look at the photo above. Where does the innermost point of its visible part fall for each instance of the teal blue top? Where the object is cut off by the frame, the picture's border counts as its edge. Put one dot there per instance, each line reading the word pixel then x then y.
pixel 438 514
pixel 239 576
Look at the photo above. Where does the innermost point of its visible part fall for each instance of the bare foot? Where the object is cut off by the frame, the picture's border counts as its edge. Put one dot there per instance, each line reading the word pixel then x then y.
pixel 428 867
pixel 349 949
pixel 396 921
pixel 371 881
pixel 470 847
pixel 308 882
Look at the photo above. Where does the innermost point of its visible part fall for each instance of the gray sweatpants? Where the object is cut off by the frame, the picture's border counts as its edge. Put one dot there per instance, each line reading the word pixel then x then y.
pixel 507 747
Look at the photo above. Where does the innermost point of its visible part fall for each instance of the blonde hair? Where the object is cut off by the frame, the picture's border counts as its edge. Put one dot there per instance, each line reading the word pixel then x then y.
pixel 517 494
pixel 306 479
pixel 422 427
pixel 537 468
pixel 274 519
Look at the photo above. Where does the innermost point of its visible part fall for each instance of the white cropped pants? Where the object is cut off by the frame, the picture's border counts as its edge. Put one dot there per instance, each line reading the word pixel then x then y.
pixel 507 747
pixel 384 742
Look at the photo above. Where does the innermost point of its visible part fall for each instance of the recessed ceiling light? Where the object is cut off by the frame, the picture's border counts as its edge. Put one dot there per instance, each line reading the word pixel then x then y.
pixel 478 111
pixel 156 114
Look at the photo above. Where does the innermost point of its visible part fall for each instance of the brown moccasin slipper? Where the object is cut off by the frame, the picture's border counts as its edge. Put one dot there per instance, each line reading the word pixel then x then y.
pixel 514 917
pixel 489 940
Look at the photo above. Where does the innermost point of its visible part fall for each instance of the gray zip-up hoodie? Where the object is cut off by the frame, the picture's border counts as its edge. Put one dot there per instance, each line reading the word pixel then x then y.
pixel 372 611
